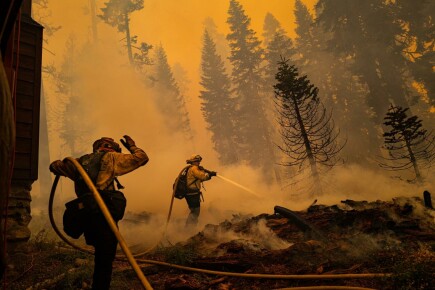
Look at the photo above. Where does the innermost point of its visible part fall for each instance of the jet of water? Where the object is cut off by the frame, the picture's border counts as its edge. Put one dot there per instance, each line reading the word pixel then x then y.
pixel 238 185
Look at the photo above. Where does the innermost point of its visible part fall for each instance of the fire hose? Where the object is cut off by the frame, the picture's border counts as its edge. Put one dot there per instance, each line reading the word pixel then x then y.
pixel 111 223
pixel 133 262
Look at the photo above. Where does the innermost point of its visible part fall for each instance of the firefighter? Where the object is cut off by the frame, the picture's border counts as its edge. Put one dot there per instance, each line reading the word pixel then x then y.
pixel 103 166
pixel 195 176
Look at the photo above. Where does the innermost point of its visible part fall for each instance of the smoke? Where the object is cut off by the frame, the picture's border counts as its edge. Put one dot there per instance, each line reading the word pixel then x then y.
pixel 115 102
pixel 353 181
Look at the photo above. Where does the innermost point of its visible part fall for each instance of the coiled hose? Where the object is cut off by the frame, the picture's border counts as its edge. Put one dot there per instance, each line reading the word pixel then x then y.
pixel 128 256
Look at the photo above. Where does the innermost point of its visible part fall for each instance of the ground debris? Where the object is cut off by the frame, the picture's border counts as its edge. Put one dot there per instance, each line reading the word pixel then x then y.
pixel 395 237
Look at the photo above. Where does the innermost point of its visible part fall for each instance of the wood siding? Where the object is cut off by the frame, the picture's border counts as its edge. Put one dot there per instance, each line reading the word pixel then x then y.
pixel 28 100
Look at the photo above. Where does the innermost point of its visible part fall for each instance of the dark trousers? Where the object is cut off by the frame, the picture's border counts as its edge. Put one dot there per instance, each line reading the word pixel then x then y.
pixel 104 241
pixel 194 204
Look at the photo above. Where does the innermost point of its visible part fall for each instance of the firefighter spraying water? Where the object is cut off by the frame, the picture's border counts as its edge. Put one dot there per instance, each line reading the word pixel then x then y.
pixel 188 186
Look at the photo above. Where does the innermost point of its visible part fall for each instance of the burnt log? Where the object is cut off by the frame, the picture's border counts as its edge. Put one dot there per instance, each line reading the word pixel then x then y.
pixel 300 223
pixel 427 199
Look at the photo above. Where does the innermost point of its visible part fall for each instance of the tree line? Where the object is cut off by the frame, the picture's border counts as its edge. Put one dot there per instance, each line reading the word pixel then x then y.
pixel 327 95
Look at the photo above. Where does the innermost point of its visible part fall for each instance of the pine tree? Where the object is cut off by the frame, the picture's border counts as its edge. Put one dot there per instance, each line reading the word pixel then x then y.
pixel 368 34
pixel 219 39
pixel 408 143
pixel 279 46
pixel 170 100
pixel 339 88
pixel 246 58
pixel 117 14
pixel 307 129
pixel 218 107
pixel 270 26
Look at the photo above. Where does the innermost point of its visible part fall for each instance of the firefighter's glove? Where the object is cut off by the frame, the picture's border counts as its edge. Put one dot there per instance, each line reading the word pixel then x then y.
pixel 128 142
pixel 212 173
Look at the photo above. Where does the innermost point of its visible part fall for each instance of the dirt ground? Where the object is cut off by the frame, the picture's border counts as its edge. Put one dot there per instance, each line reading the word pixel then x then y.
pixel 353 237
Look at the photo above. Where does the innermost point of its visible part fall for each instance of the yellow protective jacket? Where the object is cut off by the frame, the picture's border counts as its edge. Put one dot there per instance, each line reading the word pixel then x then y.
pixel 195 177
pixel 113 164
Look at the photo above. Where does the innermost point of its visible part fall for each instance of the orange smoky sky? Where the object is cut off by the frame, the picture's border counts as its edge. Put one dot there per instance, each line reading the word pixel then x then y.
pixel 175 24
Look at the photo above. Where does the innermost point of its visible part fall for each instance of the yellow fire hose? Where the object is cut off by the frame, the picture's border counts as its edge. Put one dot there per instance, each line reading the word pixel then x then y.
pixel 139 272
pixel 326 287
pixel 112 224
pixel 267 276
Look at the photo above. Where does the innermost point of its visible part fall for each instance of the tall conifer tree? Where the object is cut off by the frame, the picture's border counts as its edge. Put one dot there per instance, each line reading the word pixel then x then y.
pixel 218 107
pixel 368 34
pixel 278 46
pixel 246 59
pixel 170 100
pixel 409 144
pixel 270 26
pixel 338 87
pixel 307 128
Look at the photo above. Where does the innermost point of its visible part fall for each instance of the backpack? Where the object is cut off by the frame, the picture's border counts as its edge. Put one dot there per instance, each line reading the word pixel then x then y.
pixel 180 186
pixel 79 211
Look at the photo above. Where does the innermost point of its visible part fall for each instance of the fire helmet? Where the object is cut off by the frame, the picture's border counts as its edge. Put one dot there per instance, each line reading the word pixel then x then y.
pixel 106 143
pixel 194 158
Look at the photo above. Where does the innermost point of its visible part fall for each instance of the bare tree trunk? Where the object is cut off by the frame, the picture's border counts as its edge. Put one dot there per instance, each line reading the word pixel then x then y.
pixel 128 38
pixel 310 156
pixel 94 20
pixel 44 153
pixel 414 162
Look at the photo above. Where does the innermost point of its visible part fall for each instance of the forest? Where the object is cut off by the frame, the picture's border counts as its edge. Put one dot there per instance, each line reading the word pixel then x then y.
pixel 291 107
pixel 338 109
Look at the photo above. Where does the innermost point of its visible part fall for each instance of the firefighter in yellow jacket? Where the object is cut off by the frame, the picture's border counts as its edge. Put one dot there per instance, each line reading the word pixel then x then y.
pixel 103 166
pixel 196 174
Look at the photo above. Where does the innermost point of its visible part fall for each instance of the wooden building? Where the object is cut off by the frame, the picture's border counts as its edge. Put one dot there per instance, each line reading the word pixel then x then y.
pixel 20 79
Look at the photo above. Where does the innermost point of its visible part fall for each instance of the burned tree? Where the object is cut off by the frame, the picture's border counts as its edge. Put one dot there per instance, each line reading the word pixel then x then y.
pixel 307 128
pixel 408 143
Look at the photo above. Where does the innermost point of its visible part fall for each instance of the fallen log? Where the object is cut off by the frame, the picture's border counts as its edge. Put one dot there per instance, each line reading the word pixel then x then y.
pixel 300 223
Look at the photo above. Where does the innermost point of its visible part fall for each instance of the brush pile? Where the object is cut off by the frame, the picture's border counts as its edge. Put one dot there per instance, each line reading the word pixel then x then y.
pixel 352 237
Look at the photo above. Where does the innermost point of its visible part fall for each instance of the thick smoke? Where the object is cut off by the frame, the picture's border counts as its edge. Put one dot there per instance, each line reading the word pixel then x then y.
pixel 117 102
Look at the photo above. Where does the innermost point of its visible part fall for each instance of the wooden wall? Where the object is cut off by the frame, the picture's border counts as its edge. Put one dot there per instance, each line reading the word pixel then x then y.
pixel 28 90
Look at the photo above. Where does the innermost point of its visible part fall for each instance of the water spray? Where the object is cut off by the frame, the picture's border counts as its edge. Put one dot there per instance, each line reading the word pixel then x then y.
pixel 238 185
